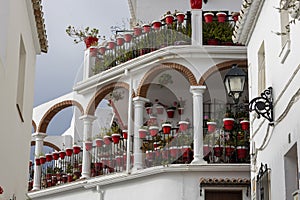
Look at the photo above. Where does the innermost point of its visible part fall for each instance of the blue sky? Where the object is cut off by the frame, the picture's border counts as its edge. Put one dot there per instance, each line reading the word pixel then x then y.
pixel 59 69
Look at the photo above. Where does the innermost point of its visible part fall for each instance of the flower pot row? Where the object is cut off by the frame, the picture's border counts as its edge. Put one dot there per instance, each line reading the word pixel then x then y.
pixel 241 151
pixel 173 152
pixel 221 17
pixel 228 124
pixel 160 111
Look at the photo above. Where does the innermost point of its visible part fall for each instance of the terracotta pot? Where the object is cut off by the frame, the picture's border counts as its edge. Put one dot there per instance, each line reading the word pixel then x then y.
pixel 62 154
pixel 70 178
pixel 120 41
pixel 146 28
pixel 69 151
pixel 76 149
pixel 169 19
pixel 107 139
pixel 115 138
pixel 229 150
pixel 180 17
pixel 156 25
pixel 102 50
pixel 170 113
pixel 218 150
pixel 245 125
pixel 42 159
pixel 208 17
pixel 111 44
pixel 221 16
pixel 153 130
pixel 241 152
pixel 89 41
pixel 55 155
pixel 166 128
pixel 211 126
pixel 235 17
pixel 137 31
pixel 159 110
pixel 196 4
pixel 93 51
pixel 142 133
pixel 125 134
pixel 99 142
pixel 185 152
pixel 183 125
pixel 228 123
pixel 64 178
pixel 180 111
pixel 49 157
pixel 127 37
pixel 88 145
pixel 38 161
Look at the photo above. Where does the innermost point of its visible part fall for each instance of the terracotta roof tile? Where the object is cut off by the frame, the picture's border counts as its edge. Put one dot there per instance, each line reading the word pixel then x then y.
pixel 224 181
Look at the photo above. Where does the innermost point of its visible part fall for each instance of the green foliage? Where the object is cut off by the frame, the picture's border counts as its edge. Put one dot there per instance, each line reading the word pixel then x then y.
pixel 81 34
pixel 220 31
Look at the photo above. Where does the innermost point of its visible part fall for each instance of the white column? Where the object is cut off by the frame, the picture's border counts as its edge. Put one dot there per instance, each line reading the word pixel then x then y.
pixel 39 143
pixel 129 122
pixel 197 92
pixel 139 107
pixel 87 136
pixel 197 27
pixel 89 63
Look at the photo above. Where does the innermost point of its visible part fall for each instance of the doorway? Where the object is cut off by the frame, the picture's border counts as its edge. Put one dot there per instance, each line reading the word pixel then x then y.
pixel 223 195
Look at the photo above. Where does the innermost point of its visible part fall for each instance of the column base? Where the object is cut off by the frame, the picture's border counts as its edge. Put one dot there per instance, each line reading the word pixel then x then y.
pixel 85 175
pixel 35 188
pixel 198 161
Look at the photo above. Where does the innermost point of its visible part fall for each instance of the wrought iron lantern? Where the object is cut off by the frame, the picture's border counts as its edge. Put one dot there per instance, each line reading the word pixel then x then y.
pixel 234 82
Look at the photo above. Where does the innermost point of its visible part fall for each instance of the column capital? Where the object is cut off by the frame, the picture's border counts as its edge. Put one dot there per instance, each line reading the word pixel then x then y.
pixel 90 118
pixel 142 99
pixel 195 89
pixel 39 135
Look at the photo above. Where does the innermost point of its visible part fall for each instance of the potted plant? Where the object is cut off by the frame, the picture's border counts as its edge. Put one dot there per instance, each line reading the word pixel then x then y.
pixel 180 17
pixel 171 110
pixel 153 130
pixel 127 37
pixel 221 17
pixel 235 16
pixel 137 30
pixel 228 120
pixel 245 124
pixel 146 28
pixel 208 17
pixel 143 132
pixel 49 157
pixel 211 125
pixel 125 134
pixel 115 138
pixel 196 4
pixel 166 127
pixel 183 125
pixel 76 149
pixel 241 149
pixel 55 155
pixel 156 24
pixel 88 144
pixel 89 36
pixel 62 154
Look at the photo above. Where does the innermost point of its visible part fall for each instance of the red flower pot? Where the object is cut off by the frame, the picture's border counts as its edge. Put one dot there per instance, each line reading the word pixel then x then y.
pixel 149 110
pixel 206 150
pixel 229 150
pixel 169 19
pixel 88 145
pixel 99 142
pixel 120 41
pixel 42 160
pixel 142 133
pixel 185 152
pixel 174 151
pixel 166 128
pixel 137 31
pixel 211 126
pixel 102 50
pixel 76 149
pixel 170 113
pixel 70 178
pixel 93 52
pixel 180 111
pixel 55 155
pixel 183 125
pixel 221 16
pixel 208 17
pixel 69 151
pixel 90 41
pixel 38 161
pixel 180 17
pixel 245 125
pixel 49 157
pixel 153 130
pixel 107 139
pixel 62 154
pixel 127 37
pixel 156 25
pixel 241 152
pixel 111 44
pixel 228 123
pixel 146 28
pixel 196 4
pixel 235 17
pixel 159 110
pixel 212 42
pixel 125 134
pixel 218 150
pixel 115 138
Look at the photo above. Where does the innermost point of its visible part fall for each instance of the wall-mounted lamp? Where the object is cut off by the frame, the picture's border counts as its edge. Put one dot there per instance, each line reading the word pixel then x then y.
pixel 263 105
pixel 234 82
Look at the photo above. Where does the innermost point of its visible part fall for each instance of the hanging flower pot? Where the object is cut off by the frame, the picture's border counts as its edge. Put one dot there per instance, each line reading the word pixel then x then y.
pixel 174 151
pixel 107 139
pixel 62 154
pixel 228 123
pixel 196 4
pixel 88 145
pixel 149 110
pixel 120 41
pixel 180 17
pixel 241 152
pixel 137 31
pixel 125 134
pixel 229 150
pixel 166 128
pixel 99 142
pixel 102 50
pixel 38 161
pixel 221 16
pixel 49 157
pixel 146 28
pixel 169 19
pixel 69 151
pixel 180 111
pixel 170 113
pixel 208 17
pixel 183 125
pixel 206 150
pixel 42 159
pixel 111 45
pixel 142 133
pixel 90 41
pixel 127 37
pixel 211 126
pixel 159 110
pixel 156 24
pixel 218 150
pixel 76 149
pixel 55 155
pixel 245 125
pixel 153 130
pixel 115 138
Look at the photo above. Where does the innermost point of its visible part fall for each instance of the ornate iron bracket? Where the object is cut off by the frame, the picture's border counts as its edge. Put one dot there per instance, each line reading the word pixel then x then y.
pixel 263 105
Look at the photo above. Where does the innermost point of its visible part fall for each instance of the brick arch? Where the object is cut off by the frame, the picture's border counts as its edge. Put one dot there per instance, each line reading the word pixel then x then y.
pixel 34 126
pixel 220 67
pixel 101 93
pixel 54 110
pixel 48 144
pixel 151 74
